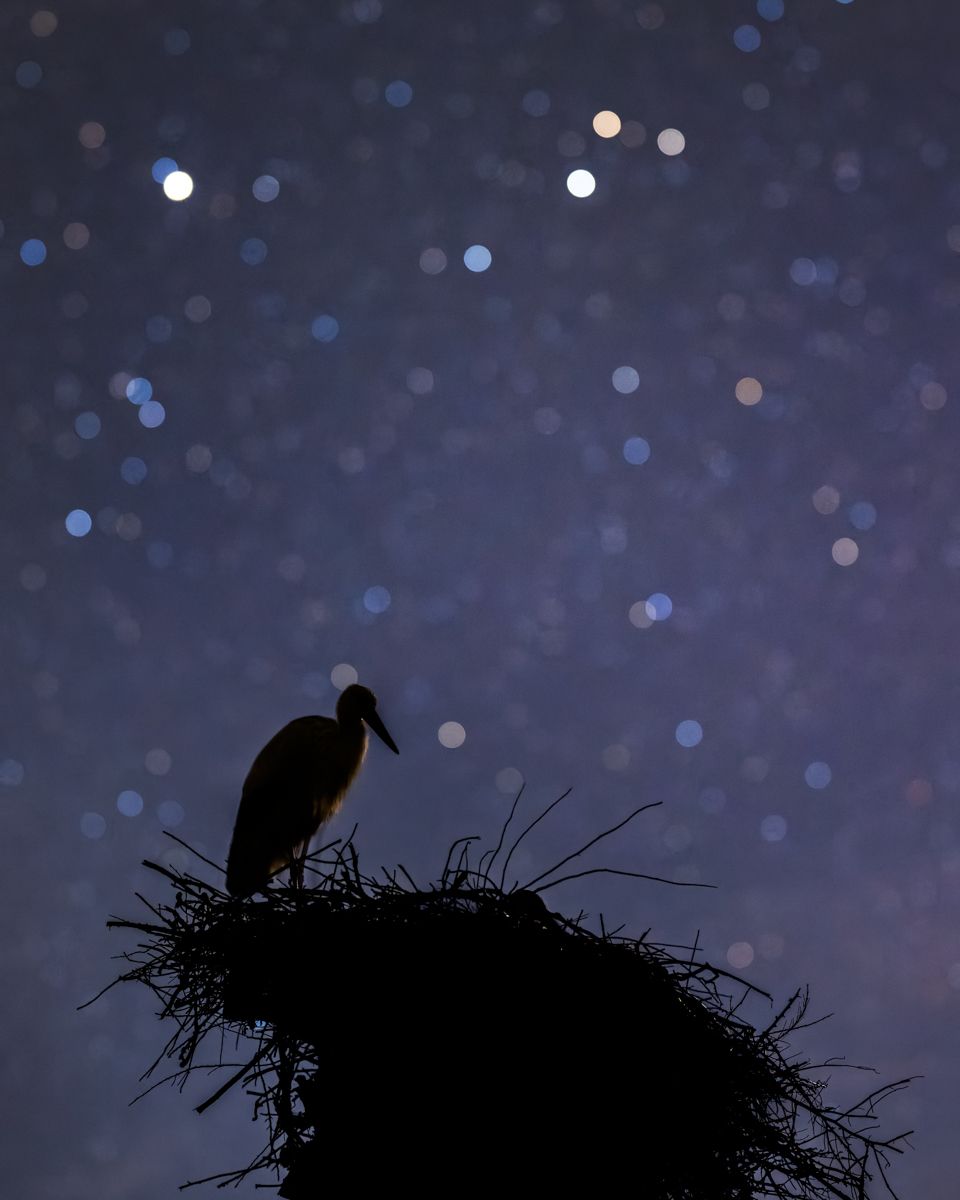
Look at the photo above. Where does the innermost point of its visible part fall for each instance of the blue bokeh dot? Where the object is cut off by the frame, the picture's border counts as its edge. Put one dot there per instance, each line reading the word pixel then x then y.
pixel 747 38
pixel 325 328
pixel 398 94
pixel 78 522
pixel 162 168
pixel 253 251
pixel 477 258
pixel 133 470
pixel 689 733
pixel 636 450
pixel 376 599
pixel 33 252
pixel 818 775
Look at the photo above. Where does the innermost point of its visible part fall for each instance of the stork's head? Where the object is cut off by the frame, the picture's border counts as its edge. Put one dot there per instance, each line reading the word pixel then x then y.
pixel 358 703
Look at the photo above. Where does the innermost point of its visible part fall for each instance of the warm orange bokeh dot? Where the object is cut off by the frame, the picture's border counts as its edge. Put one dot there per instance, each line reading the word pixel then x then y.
pixel 749 391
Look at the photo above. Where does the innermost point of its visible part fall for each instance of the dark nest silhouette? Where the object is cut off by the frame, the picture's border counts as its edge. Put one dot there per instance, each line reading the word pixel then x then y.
pixel 462 1034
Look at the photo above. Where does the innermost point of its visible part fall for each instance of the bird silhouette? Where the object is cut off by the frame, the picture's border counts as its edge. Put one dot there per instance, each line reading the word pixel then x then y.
pixel 298 781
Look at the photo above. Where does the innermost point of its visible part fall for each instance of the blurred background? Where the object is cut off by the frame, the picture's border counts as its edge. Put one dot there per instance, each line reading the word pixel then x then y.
pixel 581 376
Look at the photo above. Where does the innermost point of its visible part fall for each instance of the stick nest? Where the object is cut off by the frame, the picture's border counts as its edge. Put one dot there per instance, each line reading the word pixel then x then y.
pixel 461 1031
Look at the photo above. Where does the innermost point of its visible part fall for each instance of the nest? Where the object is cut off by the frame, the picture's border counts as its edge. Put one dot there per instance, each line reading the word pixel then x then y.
pixel 463 1033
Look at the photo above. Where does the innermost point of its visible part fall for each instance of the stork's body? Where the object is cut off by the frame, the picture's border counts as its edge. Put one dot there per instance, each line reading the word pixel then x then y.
pixel 298 781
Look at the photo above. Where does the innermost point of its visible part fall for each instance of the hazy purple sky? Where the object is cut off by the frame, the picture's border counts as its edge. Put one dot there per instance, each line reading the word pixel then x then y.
pixel 652 492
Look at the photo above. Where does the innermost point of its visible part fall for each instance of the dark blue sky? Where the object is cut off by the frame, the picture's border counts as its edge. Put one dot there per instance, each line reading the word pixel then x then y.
pixel 652 492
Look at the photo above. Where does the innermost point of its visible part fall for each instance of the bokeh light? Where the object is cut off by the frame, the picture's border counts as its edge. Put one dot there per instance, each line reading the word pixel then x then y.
pixel 689 733
pixel 451 734
pixel 343 675
pixel 818 775
pixel 845 552
pixel 626 380
pixel 130 803
pixel 749 391
pixel 477 258
pixel 581 183
pixel 177 185
pixel 33 252
pixel 606 124
pixel 671 142
pixel 78 522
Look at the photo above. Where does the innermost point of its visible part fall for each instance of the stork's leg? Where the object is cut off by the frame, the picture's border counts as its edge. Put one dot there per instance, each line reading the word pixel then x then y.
pixel 297 855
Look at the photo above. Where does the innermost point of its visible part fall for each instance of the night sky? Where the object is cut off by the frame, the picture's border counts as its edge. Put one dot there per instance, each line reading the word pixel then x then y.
pixel 582 376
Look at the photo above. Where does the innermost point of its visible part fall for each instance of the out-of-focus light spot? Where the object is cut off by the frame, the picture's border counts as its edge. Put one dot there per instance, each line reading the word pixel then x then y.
pixel 33 577
pixel 659 606
pixel 93 826
pixel 76 235
pixel 638 615
pixel 817 775
pixel 177 185
pixel 756 96
pixel 420 381
pixel 176 41
pixel 139 390
pixel 749 391
pixel 509 781
pixel 713 800
pixel 160 555
pixel 11 773
pixel 78 522
pixel 625 380
pixel 199 458
pixel 747 38
pixel 606 124
pixel 133 470
pixel 933 396
pixel 636 450
pixel 844 1
pixel 162 168
pixel 863 515
pixel 170 814
pixel 253 251
pixel 677 838
pixel 342 675
pixel 398 94
pixel 633 134
pixel 158 761
pixel 615 757
pixel 918 792
pixel 826 500
pixel 536 103
pixel 581 183
pixel 689 733
pixel 87 425
pixel 158 329
pixel 477 258
pixel 671 142
pixel 29 74
pixel 325 328
pixel 547 420
pixel 773 829
pixel 803 271
pixel 197 309
pixel 130 803
pixel 740 955
pixel 845 552
pixel 376 599
pixel 266 188
pixel 433 261
pixel 91 135
pixel 451 734
pixel 43 23
pixel 152 414
pixel 33 252
pixel 770 10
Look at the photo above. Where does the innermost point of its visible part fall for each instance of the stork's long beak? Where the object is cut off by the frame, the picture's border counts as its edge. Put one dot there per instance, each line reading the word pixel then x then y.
pixel 378 727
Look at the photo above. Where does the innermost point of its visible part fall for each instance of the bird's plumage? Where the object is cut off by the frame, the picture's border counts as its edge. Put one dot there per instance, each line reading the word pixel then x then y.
pixel 298 781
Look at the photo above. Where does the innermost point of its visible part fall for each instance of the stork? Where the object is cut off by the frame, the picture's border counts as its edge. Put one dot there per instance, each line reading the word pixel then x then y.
pixel 298 781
